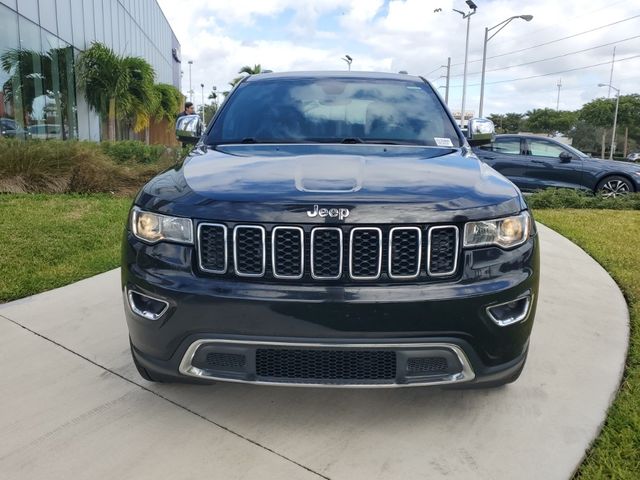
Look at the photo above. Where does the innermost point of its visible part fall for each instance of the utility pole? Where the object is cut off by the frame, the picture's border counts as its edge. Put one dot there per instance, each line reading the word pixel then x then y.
pixel 446 92
pixel 558 100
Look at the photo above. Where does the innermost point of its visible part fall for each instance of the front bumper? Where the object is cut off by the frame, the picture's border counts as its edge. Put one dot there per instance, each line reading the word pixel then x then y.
pixel 411 320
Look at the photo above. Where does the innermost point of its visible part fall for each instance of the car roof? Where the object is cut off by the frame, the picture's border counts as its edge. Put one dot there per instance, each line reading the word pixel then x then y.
pixel 333 74
pixel 526 135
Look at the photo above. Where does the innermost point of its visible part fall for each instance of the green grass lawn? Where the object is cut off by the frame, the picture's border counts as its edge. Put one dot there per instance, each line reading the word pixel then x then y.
pixel 52 240
pixel 613 239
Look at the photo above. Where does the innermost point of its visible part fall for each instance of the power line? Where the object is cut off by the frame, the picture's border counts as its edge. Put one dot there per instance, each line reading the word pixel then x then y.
pixel 553 58
pixel 583 13
pixel 551 41
pixel 548 74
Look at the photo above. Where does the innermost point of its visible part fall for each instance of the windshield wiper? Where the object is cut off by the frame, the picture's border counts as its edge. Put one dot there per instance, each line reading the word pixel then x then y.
pixel 377 142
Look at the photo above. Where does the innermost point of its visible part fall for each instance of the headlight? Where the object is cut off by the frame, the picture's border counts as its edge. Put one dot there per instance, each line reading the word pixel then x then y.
pixel 504 232
pixel 153 227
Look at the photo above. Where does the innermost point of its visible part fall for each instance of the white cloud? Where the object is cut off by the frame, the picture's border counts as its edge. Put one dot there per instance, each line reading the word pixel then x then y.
pixel 222 36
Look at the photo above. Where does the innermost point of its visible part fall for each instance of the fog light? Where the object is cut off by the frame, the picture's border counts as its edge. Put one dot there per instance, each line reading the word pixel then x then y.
pixel 511 312
pixel 147 307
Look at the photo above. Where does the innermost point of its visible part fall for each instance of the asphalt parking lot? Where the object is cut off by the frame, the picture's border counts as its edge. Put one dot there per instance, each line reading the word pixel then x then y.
pixel 73 406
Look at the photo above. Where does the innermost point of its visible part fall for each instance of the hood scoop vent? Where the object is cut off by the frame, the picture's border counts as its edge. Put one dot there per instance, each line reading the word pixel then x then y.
pixel 321 174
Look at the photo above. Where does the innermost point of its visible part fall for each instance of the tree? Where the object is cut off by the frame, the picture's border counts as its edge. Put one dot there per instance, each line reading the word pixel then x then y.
pixel 244 72
pixel 140 100
pixel 507 123
pixel 549 121
pixel 104 78
pixel 599 113
pixel 169 103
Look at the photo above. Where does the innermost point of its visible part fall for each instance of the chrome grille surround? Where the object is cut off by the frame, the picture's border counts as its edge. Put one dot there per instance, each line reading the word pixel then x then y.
pixel 274 262
pixel 390 255
pixel 235 251
pixel 430 251
pixel 314 275
pixel 226 254
pixel 351 254
pixel 326 253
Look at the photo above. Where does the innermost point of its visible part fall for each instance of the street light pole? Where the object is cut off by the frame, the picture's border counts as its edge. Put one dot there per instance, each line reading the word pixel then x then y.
pixel 348 59
pixel 615 118
pixel 190 85
pixel 466 16
pixel 502 24
pixel 202 87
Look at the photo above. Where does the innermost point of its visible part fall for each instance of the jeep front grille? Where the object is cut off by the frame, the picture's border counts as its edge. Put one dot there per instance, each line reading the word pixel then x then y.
pixel 317 253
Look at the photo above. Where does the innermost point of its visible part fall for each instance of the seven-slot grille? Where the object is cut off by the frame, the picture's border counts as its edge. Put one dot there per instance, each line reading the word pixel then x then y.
pixel 329 253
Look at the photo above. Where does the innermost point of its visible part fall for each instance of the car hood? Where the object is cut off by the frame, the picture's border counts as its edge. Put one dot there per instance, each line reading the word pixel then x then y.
pixel 377 183
pixel 620 165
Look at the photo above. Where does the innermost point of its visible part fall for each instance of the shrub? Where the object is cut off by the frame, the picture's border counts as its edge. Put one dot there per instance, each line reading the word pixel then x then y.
pixel 132 151
pixel 55 166
pixel 566 198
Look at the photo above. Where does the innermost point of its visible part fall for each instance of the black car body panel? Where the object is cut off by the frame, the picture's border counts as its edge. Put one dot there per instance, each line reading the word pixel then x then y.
pixel 423 321
pixel 273 183
pixel 532 172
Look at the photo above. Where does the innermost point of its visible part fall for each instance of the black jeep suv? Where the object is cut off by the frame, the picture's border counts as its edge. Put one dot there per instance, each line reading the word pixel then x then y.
pixel 331 229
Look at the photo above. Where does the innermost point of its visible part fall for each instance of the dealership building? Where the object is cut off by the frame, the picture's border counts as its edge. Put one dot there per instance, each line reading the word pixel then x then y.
pixel 39 42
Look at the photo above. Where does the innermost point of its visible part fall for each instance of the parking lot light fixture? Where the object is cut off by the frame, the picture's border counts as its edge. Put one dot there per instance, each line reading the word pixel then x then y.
pixel 466 16
pixel 348 59
pixel 615 118
pixel 499 26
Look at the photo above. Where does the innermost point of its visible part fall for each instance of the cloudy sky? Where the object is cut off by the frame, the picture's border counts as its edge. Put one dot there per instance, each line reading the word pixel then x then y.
pixel 221 36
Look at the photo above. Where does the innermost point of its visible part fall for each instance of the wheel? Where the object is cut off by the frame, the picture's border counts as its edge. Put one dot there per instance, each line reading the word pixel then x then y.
pixel 144 373
pixel 614 186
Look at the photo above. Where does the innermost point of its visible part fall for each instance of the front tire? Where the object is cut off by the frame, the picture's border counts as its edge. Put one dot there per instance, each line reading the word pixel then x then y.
pixel 614 186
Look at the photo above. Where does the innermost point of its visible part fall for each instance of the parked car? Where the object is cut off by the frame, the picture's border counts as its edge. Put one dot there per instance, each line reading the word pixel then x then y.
pixel 535 162
pixel 46 131
pixel 634 157
pixel 331 229
pixel 9 128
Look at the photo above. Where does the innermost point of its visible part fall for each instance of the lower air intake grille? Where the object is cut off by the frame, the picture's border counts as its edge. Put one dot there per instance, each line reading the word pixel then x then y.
pixel 325 366
pixel 225 361
pixel 427 365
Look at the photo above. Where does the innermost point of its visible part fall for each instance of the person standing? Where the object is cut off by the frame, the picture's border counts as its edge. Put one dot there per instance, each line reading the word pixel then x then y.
pixel 189 109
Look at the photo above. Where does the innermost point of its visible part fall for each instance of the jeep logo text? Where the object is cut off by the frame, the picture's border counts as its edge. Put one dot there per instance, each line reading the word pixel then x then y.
pixel 340 213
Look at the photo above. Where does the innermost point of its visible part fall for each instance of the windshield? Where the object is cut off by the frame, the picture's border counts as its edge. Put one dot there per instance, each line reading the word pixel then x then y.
pixel 575 151
pixel 348 110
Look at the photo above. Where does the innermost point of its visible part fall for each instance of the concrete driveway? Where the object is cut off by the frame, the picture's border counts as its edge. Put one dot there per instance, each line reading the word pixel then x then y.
pixel 73 406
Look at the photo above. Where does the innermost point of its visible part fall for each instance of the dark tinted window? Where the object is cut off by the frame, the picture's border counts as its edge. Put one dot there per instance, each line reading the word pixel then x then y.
pixel 543 148
pixel 508 145
pixel 334 109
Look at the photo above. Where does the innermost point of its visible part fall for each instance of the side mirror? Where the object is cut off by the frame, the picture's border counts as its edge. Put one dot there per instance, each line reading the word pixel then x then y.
pixel 480 131
pixel 565 157
pixel 189 128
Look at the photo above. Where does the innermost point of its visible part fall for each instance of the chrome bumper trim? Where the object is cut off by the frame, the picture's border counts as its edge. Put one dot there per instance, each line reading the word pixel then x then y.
pixel 465 375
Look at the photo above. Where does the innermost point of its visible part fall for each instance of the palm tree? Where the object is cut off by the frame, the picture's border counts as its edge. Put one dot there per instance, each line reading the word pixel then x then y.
pixel 140 100
pixel 104 78
pixel 244 72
